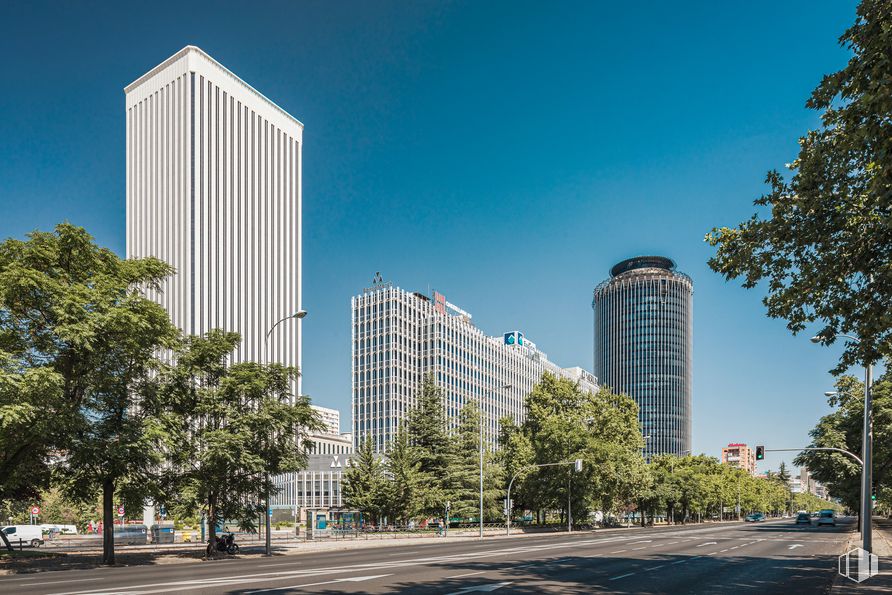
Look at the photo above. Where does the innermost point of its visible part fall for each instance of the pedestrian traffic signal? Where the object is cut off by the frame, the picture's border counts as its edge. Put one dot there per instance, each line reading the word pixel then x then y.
pixel 760 453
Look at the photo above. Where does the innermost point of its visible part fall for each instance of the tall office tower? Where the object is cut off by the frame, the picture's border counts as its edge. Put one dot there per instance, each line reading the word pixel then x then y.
pixel 214 189
pixel 400 336
pixel 643 346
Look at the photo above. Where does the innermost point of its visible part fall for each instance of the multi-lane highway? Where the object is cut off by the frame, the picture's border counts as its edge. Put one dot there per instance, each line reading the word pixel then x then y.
pixel 770 557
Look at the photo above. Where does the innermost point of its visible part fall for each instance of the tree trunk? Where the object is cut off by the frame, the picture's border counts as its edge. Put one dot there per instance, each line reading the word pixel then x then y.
pixel 108 521
pixel 5 541
pixel 212 516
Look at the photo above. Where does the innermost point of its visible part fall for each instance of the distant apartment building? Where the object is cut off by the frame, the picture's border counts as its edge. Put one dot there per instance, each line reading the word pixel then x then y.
pixel 740 455
pixel 399 337
pixel 805 483
pixel 330 417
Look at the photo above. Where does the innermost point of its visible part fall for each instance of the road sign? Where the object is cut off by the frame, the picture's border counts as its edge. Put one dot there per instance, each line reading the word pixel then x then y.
pixel 121 510
pixel 578 465
pixel 35 510
pixel 270 512
pixel 163 512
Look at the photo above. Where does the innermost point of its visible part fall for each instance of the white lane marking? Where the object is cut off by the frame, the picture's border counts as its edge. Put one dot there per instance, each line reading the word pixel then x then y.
pixel 77 580
pixel 484 588
pixel 735 547
pixel 352 579
pixel 673 542
pixel 643 541
pixel 400 553
pixel 654 567
pixel 708 543
pixel 795 545
pixel 619 551
pixel 643 547
pixel 616 578
pixel 465 574
pixel 723 551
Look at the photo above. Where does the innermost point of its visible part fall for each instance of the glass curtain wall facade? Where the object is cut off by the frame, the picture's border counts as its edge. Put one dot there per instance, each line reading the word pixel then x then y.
pixel 643 347
pixel 400 336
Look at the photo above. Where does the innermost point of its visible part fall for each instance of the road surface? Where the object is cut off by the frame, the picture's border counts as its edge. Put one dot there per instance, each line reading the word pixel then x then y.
pixel 762 558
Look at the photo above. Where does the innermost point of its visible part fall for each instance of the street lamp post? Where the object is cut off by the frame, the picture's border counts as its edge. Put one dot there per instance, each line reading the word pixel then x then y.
pixel 504 387
pixel 298 315
pixel 866 449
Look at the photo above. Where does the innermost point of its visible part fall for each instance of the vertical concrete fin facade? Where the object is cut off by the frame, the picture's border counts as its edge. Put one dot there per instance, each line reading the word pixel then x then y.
pixel 214 189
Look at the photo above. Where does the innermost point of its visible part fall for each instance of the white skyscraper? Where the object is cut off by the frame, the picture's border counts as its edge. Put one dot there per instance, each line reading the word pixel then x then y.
pixel 214 189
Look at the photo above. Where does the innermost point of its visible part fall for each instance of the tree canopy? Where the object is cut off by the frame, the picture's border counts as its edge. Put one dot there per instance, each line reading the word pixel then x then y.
pixel 822 250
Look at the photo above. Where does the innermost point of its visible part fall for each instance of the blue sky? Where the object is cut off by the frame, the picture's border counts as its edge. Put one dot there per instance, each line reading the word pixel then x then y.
pixel 504 153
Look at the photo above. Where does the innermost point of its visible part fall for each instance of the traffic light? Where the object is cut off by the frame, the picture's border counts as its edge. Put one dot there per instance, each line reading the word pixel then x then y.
pixel 760 453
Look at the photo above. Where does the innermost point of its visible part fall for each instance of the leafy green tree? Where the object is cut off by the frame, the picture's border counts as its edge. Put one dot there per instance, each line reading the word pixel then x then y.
pixel 365 486
pixel 230 428
pixel 403 495
pixel 78 339
pixel 843 428
pixel 822 249
pixel 565 423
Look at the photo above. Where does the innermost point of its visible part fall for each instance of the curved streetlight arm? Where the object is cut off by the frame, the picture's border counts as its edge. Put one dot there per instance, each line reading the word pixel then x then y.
pixel 845 452
pixel 524 469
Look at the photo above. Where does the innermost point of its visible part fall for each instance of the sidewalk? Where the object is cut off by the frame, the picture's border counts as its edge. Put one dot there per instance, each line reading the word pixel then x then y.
pixel 882 547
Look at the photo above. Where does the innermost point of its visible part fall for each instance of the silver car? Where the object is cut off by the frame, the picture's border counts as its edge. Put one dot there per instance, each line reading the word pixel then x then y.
pixel 827 517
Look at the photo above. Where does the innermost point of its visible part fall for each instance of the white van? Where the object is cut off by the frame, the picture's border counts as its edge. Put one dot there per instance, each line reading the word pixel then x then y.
pixel 28 534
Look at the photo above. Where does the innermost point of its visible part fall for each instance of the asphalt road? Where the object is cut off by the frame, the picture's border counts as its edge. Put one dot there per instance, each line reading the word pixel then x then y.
pixel 770 557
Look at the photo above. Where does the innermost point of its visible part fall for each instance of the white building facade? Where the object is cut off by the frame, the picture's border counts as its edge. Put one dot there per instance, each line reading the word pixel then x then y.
pixel 400 336
pixel 214 189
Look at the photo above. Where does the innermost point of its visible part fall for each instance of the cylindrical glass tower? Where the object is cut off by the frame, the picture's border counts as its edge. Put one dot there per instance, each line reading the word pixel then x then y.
pixel 643 346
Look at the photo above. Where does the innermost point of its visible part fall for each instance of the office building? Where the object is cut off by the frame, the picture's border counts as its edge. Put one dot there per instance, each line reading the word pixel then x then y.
pixel 319 484
pixel 643 346
pixel 399 337
pixel 214 189
pixel 740 455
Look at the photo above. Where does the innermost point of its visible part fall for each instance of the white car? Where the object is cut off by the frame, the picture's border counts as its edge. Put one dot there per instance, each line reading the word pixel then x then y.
pixel 826 517
pixel 24 534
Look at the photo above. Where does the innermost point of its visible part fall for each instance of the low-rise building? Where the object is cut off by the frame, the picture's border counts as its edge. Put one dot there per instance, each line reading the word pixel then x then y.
pixel 740 455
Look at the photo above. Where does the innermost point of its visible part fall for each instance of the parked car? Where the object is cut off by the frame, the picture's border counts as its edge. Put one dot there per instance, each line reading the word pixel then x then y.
pixel 827 517
pixel 756 517
pixel 803 518
pixel 24 534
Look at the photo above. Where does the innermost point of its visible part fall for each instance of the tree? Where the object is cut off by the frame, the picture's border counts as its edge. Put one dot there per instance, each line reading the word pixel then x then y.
pixel 565 423
pixel 427 433
pixel 78 340
pixel 823 249
pixel 463 472
pixel 230 428
pixel 783 474
pixel 403 490
pixel 843 428
pixel 364 482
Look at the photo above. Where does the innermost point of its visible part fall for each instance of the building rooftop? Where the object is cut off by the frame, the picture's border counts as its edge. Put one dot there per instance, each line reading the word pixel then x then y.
pixel 197 51
pixel 642 262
